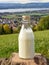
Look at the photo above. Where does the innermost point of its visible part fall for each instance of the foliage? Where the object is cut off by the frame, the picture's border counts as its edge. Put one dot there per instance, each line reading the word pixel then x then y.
pixel 6 29
pixel 16 29
pixel 11 29
pixel 0 28
pixel 44 23
pixel 35 28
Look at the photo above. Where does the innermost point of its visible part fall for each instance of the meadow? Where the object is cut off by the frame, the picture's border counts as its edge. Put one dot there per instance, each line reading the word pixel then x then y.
pixel 9 43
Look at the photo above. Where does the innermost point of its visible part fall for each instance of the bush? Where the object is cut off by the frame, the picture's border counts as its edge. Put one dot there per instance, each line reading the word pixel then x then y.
pixel 35 28
pixel 11 29
pixel 6 29
pixel 44 23
pixel 0 28
pixel 16 30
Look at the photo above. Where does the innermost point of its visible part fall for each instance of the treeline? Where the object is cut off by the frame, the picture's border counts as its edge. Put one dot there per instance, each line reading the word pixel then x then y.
pixel 6 29
pixel 43 24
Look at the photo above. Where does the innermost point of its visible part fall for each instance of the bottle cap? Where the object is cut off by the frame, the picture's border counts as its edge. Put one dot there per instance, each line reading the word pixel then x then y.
pixel 26 18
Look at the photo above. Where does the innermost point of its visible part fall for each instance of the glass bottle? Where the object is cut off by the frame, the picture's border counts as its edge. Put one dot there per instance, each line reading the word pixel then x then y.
pixel 26 39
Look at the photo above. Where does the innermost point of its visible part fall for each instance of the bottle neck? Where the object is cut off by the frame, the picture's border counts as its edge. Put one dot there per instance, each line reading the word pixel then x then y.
pixel 26 24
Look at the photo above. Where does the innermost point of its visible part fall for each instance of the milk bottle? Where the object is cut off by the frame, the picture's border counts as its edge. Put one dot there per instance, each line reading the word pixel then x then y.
pixel 26 40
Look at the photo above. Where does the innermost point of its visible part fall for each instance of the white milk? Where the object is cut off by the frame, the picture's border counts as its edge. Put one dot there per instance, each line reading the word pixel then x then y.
pixel 26 43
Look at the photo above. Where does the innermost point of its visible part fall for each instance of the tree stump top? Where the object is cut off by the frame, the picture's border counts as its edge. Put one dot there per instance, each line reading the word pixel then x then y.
pixel 15 60
pixel 37 60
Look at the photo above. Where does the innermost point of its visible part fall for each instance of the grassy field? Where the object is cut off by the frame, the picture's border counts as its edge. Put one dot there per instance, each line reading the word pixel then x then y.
pixel 21 14
pixel 9 43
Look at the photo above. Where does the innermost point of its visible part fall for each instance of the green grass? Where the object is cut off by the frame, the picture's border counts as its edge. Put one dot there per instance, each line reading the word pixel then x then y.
pixel 42 42
pixel 9 16
pixel 15 15
pixel 9 43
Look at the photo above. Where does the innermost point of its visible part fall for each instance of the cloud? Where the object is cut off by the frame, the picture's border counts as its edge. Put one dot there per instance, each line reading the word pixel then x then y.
pixel 44 0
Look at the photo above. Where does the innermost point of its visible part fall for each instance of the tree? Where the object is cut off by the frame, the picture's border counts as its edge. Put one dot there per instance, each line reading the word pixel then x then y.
pixel 0 28
pixel 11 30
pixel 44 23
pixel 6 29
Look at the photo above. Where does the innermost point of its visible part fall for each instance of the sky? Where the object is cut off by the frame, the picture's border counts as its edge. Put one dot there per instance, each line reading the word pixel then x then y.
pixel 23 1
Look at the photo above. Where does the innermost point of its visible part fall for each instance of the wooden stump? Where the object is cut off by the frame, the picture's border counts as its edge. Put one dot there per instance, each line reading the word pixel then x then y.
pixel 15 60
pixel 38 60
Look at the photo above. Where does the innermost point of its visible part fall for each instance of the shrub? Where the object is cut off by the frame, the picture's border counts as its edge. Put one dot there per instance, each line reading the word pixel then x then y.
pixel 11 29
pixel 0 28
pixel 35 28
pixel 16 29
pixel 44 23
pixel 6 29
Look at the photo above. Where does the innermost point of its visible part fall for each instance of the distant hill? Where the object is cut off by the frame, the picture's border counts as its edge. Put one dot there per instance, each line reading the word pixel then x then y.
pixel 27 5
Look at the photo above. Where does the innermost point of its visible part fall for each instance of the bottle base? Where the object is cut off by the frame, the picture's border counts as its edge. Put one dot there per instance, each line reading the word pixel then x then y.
pixel 27 58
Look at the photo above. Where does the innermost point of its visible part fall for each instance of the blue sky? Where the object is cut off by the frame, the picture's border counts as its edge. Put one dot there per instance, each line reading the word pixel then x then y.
pixel 23 1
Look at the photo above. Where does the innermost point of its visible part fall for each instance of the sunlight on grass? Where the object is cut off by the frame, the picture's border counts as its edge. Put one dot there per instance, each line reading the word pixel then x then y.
pixel 9 43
